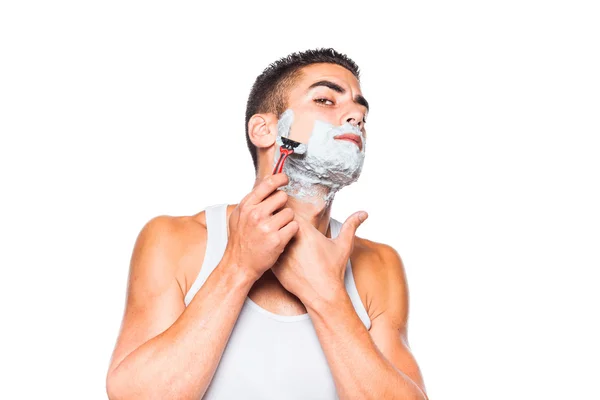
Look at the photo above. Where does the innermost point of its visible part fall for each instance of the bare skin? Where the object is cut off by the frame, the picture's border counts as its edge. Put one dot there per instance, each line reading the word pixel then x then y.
pixel 161 341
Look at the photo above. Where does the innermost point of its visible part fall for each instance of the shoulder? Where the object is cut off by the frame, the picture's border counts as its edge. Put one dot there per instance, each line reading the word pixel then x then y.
pixel 172 233
pixel 380 278
pixel 172 246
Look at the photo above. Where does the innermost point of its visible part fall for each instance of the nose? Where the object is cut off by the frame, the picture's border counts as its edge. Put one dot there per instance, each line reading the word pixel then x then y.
pixel 354 122
pixel 355 117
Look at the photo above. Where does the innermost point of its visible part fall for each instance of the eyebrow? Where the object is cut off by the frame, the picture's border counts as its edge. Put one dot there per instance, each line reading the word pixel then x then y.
pixel 359 99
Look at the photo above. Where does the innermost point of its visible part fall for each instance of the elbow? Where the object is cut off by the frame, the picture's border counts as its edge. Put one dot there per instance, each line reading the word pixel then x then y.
pixel 122 386
pixel 112 387
pixel 116 388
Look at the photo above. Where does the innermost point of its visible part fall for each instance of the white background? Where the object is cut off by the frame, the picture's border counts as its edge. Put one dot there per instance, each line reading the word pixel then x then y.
pixel 482 171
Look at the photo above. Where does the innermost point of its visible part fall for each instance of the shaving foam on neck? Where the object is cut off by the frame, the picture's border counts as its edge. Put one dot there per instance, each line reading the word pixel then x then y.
pixel 328 164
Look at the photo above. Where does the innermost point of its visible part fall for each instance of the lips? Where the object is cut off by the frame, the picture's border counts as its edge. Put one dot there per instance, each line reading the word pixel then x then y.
pixel 351 137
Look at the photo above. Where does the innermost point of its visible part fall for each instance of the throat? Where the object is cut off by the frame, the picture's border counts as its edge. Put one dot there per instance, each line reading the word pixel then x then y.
pixel 317 214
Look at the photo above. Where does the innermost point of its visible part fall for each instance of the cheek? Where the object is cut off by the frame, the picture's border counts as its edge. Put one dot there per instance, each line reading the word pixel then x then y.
pixel 302 127
pixel 311 110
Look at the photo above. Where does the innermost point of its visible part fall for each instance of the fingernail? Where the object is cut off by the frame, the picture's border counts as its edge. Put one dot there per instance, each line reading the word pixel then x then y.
pixel 362 216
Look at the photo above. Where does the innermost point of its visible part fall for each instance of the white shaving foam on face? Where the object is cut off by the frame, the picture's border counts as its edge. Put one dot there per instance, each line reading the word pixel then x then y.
pixel 328 164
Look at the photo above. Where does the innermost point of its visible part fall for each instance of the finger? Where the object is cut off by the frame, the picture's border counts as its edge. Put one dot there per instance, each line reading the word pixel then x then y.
pixel 287 233
pixel 273 203
pixel 346 235
pixel 266 187
pixel 280 219
pixel 302 222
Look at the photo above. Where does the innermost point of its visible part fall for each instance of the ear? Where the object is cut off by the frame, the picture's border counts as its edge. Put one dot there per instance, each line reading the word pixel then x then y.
pixel 262 130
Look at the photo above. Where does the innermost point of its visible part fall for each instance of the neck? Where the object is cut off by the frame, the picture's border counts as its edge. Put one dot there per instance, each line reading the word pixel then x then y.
pixel 315 211
pixel 311 207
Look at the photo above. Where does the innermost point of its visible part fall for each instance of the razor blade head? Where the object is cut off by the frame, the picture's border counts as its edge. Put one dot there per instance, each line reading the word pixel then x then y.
pixel 299 148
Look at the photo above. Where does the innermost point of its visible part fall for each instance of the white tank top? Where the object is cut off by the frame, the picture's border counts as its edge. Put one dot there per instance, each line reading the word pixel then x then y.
pixel 268 356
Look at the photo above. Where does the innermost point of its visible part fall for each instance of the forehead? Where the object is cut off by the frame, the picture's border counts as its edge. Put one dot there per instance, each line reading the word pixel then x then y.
pixel 326 71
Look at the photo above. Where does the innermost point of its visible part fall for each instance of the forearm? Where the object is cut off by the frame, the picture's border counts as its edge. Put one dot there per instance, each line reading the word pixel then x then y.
pixel 359 369
pixel 180 362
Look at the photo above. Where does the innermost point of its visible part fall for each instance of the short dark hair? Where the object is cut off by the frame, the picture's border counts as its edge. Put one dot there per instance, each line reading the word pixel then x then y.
pixel 269 92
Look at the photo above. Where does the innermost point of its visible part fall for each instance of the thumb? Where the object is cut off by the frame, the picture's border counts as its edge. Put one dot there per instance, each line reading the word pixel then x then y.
pixel 350 226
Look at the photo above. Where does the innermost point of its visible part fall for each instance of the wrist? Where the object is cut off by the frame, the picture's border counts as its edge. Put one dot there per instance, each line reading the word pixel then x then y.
pixel 327 300
pixel 238 273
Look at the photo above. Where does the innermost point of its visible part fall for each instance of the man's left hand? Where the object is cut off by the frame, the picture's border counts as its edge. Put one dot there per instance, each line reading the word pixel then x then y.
pixel 312 266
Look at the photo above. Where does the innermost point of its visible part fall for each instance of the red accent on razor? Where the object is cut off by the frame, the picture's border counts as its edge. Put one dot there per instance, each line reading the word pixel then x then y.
pixel 286 149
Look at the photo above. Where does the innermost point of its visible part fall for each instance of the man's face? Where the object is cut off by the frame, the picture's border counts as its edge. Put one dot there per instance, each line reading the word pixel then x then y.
pixel 326 92
pixel 326 112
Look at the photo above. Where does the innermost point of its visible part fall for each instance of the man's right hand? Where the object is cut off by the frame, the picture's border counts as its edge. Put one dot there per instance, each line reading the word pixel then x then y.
pixel 258 235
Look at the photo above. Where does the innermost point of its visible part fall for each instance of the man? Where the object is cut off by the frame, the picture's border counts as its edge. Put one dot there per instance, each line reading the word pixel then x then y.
pixel 271 298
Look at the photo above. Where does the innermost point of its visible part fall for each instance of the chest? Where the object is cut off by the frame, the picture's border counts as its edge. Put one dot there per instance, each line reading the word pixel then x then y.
pixel 268 358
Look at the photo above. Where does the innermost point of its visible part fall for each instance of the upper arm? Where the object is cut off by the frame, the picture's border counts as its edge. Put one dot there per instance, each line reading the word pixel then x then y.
pixel 389 324
pixel 154 298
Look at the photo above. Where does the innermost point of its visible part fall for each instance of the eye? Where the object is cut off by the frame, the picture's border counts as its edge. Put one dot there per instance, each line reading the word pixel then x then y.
pixel 323 101
pixel 364 120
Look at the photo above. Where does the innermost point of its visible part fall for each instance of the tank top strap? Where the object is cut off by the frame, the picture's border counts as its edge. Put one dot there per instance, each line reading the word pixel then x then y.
pixel 216 242
pixel 349 281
